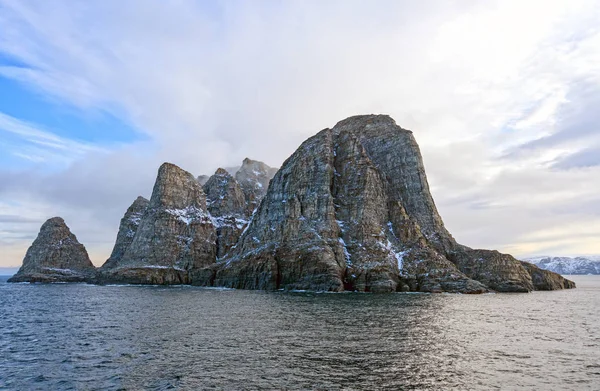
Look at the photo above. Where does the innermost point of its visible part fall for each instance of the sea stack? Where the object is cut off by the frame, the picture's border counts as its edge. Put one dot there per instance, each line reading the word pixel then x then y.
pixel 351 210
pixel 55 256
pixel 175 234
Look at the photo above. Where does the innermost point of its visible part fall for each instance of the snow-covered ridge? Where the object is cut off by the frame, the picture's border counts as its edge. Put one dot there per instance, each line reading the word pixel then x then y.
pixel 189 214
pixel 568 265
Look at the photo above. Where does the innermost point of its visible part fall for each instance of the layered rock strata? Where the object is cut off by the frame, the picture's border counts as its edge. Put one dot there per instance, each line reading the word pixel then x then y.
pixel 55 256
pixel 227 205
pixel 127 230
pixel 351 210
pixel 253 177
pixel 175 234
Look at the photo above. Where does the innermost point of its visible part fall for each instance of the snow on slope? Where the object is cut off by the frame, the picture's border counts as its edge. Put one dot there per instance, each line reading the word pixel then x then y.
pixel 568 265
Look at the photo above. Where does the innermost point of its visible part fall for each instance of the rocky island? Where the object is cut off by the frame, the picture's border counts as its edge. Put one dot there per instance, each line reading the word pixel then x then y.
pixel 55 256
pixel 349 210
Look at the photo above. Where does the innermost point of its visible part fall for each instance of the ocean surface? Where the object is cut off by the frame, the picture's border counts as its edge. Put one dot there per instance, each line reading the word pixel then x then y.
pixel 86 337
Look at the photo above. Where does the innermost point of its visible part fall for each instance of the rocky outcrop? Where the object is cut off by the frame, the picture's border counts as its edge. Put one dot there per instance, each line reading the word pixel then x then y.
pixel 329 222
pixel 55 256
pixel 127 230
pixel 227 205
pixel 545 280
pixel 175 234
pixel 253 177
pixel 351 210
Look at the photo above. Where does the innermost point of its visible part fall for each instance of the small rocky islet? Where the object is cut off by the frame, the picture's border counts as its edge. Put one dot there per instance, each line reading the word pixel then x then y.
pixel 350 210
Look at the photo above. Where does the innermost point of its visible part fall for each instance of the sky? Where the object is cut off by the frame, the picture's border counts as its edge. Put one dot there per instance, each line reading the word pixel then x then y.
pixel 503 98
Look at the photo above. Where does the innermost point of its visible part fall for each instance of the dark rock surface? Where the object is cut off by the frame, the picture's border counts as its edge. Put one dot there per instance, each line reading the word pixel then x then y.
pixel 545 280
pixel 227 205
pixel 175 234
pixel 253 177
pixel 55 256
pixel 351 210
pixel 127 230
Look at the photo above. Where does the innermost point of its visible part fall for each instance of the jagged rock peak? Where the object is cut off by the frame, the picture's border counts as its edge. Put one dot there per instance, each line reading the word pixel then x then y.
pixel 351 209
pixel 227 205
pixel 175 234
pixel 55 256
pixel 224 195
pixel 366 121
pixel 253 177
pixel 176 188
pixel 127 230
pixel 222 172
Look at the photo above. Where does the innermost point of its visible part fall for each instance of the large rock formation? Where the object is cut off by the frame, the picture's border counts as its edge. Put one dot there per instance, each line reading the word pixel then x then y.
pixel 55 256
pixel 175 234
pixel 351 209
pixel 127 230
pixel 227 205
pixel 253 177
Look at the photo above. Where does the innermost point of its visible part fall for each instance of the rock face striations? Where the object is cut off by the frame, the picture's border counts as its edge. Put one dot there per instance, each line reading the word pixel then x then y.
pixel 55 256
pixel 175 234
pixel 253 177
pixel 127 230
pixel 226 203
pixel 349 210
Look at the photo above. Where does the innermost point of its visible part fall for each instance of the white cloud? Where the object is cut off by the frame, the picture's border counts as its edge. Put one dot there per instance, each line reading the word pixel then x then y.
pixel 479 83
pixel 38 145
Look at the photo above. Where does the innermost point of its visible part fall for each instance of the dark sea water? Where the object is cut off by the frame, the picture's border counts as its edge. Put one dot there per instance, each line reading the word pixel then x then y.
pixel 85 337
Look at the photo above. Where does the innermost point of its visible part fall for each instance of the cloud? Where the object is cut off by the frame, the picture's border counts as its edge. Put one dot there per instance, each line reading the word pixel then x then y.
pixel 32 143
pixel 499 112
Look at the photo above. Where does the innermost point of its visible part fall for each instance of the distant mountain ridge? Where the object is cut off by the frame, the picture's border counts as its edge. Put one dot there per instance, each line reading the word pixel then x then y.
pixel 568 265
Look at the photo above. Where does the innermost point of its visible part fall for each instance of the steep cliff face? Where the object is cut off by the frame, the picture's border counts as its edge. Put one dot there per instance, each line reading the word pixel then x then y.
pixel 55 256
pixel 351 209
pixel 175 234
pixel 328 223
pixel 253 177
pixel 227 205
pixel 127 230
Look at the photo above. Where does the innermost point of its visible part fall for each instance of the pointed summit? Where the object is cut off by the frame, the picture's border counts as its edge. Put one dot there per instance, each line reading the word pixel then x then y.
pixel 227 205
pixel 351 210
pixel 127 229
pixel 175 234
pixel 253 177
pixel 176 188
pixel 55 256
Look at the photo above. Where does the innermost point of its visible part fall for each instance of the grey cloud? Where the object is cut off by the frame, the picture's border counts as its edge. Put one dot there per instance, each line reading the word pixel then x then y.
pixel 15 219
pixel 578 120
pixel 588 157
